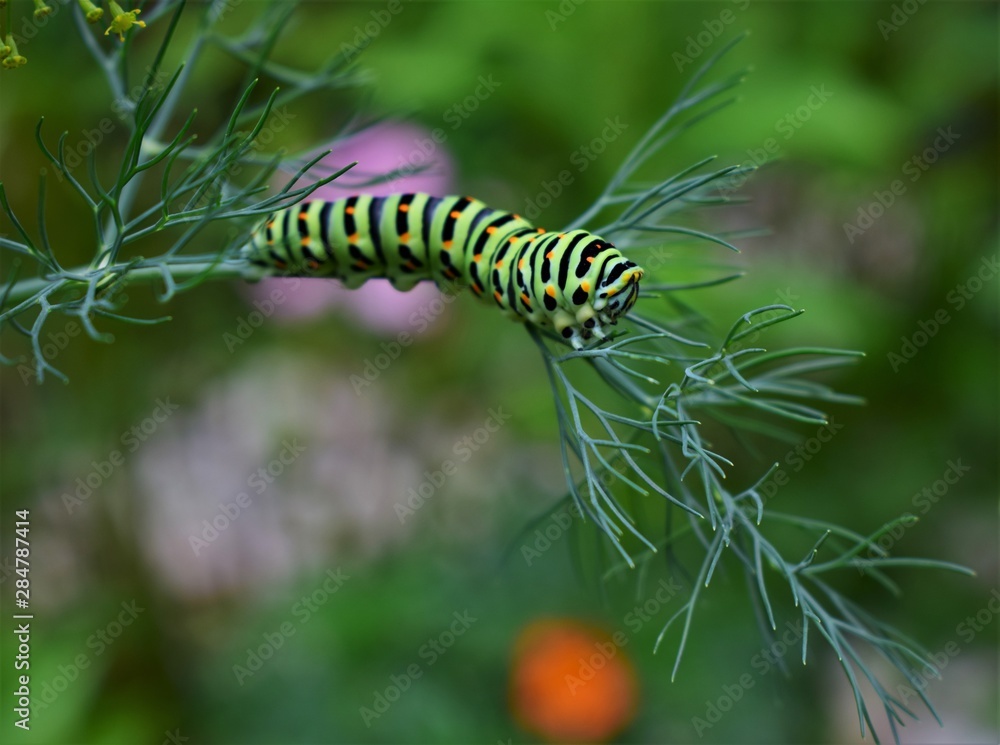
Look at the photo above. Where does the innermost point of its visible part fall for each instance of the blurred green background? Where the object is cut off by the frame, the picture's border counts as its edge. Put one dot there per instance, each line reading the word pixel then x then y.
pixel 562 71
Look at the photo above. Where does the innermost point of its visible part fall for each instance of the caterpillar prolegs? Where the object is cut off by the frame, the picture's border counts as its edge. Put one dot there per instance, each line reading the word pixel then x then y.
pixel 574 282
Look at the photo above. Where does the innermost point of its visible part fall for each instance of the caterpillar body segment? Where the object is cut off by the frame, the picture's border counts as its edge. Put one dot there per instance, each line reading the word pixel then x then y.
pixel 575 282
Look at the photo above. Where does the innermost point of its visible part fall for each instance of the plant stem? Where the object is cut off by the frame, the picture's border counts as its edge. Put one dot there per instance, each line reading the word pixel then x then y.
pixel 178 268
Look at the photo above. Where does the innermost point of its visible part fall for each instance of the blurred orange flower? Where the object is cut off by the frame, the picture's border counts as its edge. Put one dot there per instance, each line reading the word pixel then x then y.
pixel 571 682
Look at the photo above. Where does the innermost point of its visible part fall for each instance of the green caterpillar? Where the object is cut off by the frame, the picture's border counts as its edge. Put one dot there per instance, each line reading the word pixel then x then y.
pixel 573 282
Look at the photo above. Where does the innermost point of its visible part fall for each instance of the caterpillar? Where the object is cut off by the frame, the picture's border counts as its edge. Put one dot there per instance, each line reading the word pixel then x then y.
pixel 573 282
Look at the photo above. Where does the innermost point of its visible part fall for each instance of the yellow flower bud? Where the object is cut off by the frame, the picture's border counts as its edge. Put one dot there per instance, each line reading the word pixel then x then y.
pixel 41 9
pixel 122 21
pixel 92 13
pixel 13 58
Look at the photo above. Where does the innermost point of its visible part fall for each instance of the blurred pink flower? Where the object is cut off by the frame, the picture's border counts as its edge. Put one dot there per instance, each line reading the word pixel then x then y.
pixel 378 150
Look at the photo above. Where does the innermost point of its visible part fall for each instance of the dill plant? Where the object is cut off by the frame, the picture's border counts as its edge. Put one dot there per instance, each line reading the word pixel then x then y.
pixel 631 413
pixel 648 439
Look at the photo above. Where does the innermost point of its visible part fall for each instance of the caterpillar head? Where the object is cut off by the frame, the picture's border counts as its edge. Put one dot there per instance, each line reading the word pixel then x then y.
pixel 613 295
pixel 617 290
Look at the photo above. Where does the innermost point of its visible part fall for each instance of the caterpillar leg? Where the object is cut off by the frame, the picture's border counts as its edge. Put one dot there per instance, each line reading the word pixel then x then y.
pixel 578 335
